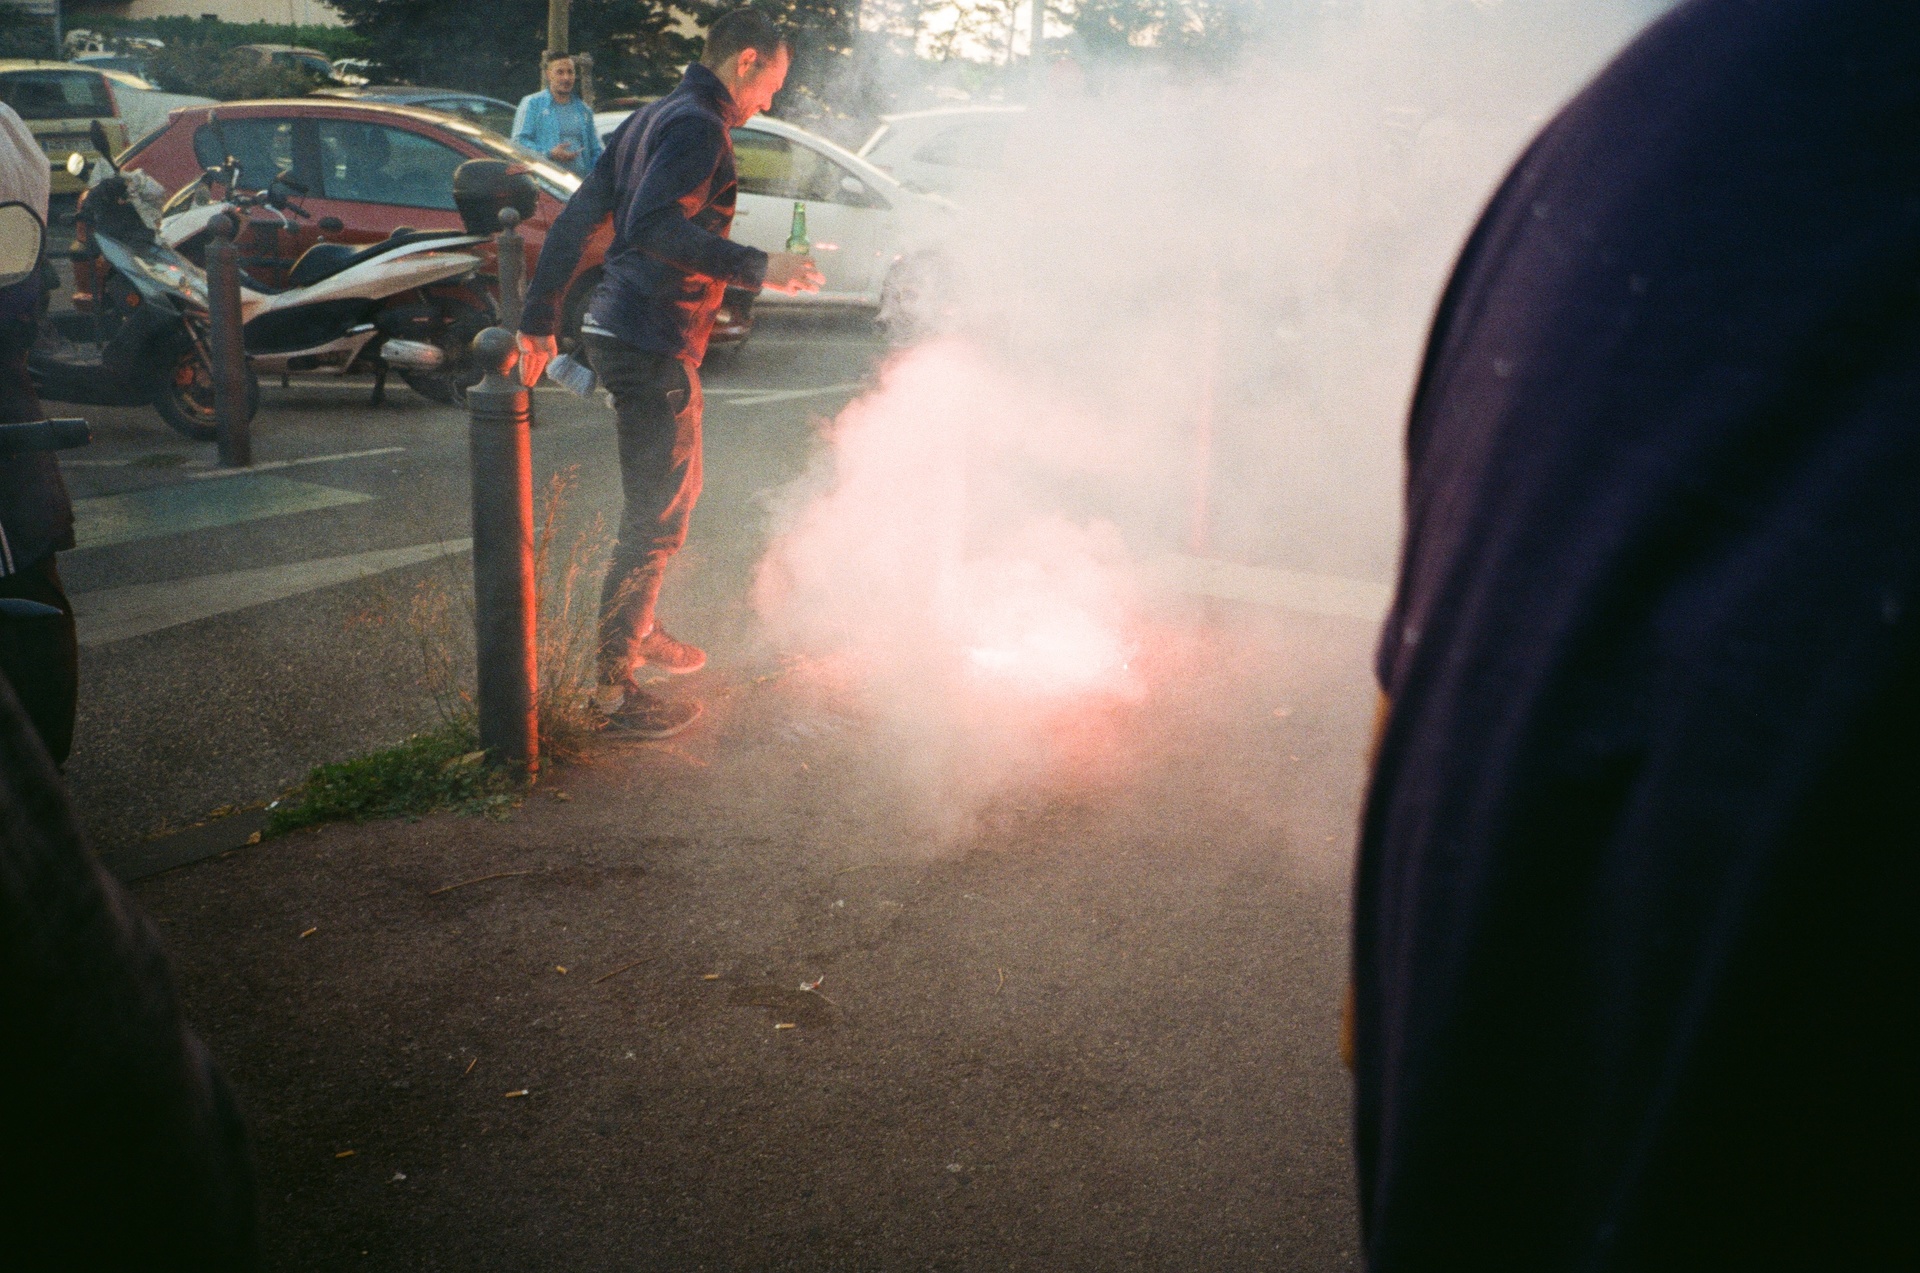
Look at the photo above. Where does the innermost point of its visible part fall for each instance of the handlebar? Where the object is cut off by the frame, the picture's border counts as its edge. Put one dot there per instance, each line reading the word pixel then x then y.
pixel 43 435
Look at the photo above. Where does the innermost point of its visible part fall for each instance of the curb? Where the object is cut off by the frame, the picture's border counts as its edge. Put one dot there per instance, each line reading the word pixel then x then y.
pixel 195 844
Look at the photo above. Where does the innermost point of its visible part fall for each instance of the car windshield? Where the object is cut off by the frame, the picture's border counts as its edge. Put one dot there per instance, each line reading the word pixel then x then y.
pixel 56 94
pixel 493 116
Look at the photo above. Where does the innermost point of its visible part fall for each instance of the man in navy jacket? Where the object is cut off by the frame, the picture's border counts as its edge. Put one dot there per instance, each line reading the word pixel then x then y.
pixel 1636 955
pixel 667 183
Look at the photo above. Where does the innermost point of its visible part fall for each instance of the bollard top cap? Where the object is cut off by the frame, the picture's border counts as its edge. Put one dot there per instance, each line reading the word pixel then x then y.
pixel 509 218
pixel 492 348
pixel 224 225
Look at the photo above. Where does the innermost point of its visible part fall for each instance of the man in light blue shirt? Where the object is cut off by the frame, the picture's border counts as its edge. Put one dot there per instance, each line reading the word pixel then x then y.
pixel 556 123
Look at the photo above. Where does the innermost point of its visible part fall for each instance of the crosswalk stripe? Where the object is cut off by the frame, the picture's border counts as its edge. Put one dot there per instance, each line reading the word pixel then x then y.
pixel 117 614
pixel 189 506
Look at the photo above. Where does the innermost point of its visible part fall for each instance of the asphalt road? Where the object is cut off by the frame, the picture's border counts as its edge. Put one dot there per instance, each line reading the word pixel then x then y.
pixel 1096 1030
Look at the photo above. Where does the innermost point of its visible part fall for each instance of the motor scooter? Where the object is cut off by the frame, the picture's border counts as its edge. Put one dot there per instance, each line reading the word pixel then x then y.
pixel 347 309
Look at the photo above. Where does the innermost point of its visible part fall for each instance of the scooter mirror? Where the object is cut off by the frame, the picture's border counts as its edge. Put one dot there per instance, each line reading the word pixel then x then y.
pixel 77 164
pixel 21 236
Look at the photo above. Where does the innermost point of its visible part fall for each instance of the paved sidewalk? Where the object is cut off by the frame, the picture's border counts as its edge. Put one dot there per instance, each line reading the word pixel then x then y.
pixel 1096 1032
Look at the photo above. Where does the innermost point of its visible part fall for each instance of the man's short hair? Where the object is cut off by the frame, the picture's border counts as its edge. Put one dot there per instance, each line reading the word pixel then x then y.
pixel 733 33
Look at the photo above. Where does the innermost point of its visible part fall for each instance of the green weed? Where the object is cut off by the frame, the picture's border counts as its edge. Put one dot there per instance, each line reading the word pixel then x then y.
pixel 427 773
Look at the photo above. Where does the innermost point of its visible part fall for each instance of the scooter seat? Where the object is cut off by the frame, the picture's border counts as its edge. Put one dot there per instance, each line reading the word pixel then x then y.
pixel 324 260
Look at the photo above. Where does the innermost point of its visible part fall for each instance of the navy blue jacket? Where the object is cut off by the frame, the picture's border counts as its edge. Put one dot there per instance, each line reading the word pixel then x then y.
pixel 1637 917
pixel 667 181
pixel 36 517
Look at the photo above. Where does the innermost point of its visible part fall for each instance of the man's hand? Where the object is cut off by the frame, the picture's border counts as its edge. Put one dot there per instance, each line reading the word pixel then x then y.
pixel 535 353
pixel 565 153
pixel 792 274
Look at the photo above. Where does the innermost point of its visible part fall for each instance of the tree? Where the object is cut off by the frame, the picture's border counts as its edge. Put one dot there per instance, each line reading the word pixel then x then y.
pixel 827 79
pixel 23 34
pixel 209 70
pixel 495 48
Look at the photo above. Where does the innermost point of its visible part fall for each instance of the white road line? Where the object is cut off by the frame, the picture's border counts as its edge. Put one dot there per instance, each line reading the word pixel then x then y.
pixel 1282 589
pixel 288 464
pixel 788 395
pixel 117 614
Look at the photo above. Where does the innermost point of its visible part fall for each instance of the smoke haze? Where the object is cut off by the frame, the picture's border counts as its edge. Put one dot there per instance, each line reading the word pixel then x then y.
pixel 1183 326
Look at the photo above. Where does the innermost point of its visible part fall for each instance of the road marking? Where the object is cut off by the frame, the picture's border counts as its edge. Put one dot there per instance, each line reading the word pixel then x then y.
pixel 1282 589
pixel 756 399
pixel 117 614
pixel 177 509
pixel 288 464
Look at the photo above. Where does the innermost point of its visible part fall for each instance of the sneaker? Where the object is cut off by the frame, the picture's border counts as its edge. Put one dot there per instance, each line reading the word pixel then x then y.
pixel 669 655
pixel 651 717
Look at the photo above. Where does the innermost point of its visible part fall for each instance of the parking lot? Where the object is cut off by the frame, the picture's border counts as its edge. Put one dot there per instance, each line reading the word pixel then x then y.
pixel 1095 1032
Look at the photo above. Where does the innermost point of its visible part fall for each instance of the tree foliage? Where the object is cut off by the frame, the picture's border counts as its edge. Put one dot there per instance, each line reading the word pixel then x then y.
pixel 495 48
pixel 22 34
pixel 209 70
pixel 335 42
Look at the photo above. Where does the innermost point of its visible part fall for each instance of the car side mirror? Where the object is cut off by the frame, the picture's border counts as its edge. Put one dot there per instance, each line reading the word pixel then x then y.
pixel 331 225
pixel 22 235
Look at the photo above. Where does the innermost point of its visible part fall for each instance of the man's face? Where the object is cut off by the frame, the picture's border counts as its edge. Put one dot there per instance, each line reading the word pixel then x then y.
pixel 560 76
pixel 757 80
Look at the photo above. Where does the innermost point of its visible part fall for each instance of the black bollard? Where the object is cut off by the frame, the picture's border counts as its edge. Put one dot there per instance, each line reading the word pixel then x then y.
pixel 227 346
pixel 512 250
pixel 503 597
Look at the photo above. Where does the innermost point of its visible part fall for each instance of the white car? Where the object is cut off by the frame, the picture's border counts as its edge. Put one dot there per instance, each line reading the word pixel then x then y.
pixel 944 151
pixel 869 232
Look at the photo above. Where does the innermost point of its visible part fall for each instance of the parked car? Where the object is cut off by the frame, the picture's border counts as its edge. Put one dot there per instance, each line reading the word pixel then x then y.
pixel 941 151
pixel 290 56
pixel 59 102
pixel 871 235
pixel 128 63
pixel 377 168
pixel 353 71
pixel 488 112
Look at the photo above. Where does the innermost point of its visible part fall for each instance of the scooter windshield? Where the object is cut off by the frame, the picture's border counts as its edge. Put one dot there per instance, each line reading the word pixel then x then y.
pixel 154 268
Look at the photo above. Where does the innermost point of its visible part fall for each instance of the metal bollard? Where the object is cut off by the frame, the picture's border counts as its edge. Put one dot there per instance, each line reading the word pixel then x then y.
pixel 512 251
pixel 503 596
pixel 227 346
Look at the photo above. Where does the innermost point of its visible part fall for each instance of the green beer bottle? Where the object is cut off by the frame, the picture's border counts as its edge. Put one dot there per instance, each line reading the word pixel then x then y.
pixel 797 242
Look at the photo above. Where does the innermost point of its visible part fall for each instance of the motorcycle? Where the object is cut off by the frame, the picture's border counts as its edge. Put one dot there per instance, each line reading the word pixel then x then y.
pixel 346 309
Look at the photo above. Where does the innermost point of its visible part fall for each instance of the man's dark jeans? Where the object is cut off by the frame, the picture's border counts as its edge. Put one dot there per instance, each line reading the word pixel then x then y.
pixel 657 397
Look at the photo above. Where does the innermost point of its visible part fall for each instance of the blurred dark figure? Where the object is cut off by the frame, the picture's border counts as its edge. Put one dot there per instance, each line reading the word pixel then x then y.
pixel 1636 951
pixel 120 1147
pixel 38 655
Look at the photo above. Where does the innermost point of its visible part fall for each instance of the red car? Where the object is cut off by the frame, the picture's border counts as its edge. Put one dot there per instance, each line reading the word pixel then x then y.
pixel 375 167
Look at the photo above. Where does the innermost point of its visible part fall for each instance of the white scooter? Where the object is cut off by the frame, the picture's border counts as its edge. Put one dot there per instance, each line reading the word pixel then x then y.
pixel 409 302
pixel 402 303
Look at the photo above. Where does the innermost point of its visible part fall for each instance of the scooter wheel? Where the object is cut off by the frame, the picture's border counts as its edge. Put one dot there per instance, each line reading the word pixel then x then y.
pixel 185 397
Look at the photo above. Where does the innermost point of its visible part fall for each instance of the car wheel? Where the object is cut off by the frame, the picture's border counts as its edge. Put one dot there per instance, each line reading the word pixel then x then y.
pixel 916 299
